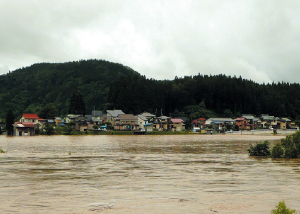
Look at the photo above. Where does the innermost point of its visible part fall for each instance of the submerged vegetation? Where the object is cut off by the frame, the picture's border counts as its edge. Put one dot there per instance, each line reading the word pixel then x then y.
pixel 260 149
pixel 282 209
pixel 289 147
pixel 1 150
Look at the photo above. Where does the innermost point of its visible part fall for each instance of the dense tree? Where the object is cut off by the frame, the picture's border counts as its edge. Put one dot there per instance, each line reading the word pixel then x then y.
pixel 77 105
pixel 10 119
pixel 29 89
pixel 48 112
pixel 49 129
pixel 109 85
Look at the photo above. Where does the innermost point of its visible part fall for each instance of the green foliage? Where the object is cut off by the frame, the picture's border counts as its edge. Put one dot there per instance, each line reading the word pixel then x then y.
pixel 1 150
pixel 95 127
pixel 69 128
pixel 10 119
pixel 29 89
pixel 77 105
pixel 282 209
pixel 58 130
pixel 291 145
pixel 48 112
pixel 49 129
pixel 110 85
pixel 260 149
pixel 277 151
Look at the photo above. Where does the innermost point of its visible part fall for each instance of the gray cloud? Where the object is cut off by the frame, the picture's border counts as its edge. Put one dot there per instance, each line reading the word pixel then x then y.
pixel 160 39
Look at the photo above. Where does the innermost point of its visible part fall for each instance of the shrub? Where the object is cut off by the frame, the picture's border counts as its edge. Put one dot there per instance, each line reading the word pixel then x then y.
pixel 282 209
pixel 261 149
pixel 291 145
pixel 277 151
pixel 49 129
pixel 1 150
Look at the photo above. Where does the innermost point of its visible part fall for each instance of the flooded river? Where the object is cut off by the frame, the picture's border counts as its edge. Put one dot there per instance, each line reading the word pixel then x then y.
pixel 143 174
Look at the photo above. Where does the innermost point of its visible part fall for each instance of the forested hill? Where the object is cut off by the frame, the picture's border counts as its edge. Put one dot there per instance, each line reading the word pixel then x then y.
pixel 110 85
pixel 205 96
pixel 30 89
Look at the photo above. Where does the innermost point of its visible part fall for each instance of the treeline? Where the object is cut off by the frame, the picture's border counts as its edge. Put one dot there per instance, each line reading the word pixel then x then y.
pixel 32 88
pixel 208 95
pixel 108 85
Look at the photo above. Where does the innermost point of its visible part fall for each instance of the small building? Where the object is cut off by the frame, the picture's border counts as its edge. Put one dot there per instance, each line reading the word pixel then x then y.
pixel 24 129
pixel 126 122
pixel 177 124
pixel 111 115
pixel 149 127
pixel 142 121
pixel 97 117
pixel 57 120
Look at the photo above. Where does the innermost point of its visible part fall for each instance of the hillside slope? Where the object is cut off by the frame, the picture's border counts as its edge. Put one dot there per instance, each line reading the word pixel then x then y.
pixel 30 89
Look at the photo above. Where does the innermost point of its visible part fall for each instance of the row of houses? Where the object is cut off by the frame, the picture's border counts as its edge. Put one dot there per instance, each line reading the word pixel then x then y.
pixel 245 122
pixel 116 119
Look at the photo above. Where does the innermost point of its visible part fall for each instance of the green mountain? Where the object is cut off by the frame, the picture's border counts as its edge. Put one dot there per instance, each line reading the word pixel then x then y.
pixel 108 85
pixel 28 90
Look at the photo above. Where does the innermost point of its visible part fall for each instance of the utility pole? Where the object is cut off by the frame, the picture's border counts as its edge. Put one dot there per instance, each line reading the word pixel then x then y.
pixel 94 116
pixel 161 119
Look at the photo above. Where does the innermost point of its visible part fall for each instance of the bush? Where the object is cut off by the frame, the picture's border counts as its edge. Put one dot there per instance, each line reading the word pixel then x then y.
pixel 282 209
pixel 291 145
pixel 261 149
pixel 49 129
pixel 277 151
pixel 1 150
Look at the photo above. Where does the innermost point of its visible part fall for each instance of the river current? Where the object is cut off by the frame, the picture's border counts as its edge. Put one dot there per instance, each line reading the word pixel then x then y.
pixel 143 174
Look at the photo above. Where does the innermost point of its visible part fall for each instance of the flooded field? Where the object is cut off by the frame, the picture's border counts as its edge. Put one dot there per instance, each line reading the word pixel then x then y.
pixel 143 174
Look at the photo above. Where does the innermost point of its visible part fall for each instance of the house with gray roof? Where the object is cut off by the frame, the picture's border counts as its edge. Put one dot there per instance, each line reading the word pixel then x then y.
pixel 112 114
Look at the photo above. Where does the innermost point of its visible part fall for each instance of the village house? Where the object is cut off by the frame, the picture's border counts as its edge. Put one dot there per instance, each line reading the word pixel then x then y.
pixel 57 120
pixel 97 117
pixel 219 124
pixel 284 123
pixel 33 118
pixel 24 128
pixel 198 124
pixel 126 122
pixel 243 123
pixel 254 122
pixel 142 121
pixel 111 115
pixel 80 121
pixel 270 121
pixel 177 124
pixel 162 123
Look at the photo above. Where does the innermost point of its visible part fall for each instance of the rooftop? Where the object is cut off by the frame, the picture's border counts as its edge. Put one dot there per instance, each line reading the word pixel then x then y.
pixel 30 116
pixel 115 113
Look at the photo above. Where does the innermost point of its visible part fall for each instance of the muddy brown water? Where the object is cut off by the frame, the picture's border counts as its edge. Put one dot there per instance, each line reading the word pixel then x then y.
pixel 143 174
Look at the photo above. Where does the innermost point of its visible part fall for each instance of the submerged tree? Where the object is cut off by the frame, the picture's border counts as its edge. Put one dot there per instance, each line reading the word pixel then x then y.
pixel 260 149
pixel 10 119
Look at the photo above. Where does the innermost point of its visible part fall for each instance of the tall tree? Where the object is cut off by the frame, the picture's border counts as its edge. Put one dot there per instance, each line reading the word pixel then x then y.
pixel 10 119
pixel 77 105
pixel 48 111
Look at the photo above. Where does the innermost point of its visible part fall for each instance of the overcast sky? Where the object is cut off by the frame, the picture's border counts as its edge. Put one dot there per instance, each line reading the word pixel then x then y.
pixel 259 40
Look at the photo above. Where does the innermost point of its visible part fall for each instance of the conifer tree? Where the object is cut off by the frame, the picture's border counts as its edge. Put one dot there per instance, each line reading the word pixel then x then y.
pixel 10 119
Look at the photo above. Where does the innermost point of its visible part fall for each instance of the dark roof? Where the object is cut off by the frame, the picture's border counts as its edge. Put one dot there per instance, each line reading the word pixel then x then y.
pixel 115 113
pixel 97 113
pixel 127 117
